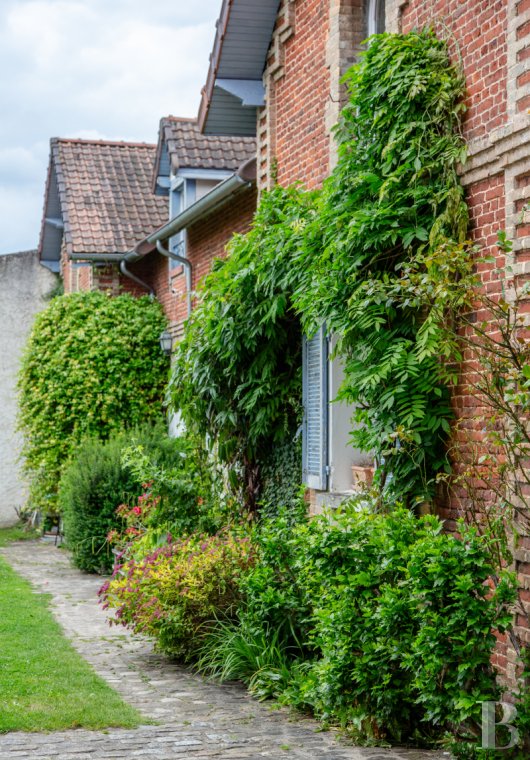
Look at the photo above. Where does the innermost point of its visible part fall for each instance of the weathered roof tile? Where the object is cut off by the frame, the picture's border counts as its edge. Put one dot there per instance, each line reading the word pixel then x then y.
pixel 188 148
pixel 105 193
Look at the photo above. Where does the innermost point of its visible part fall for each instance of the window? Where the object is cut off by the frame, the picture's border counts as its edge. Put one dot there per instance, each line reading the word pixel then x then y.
pixel 376 17
pixel 181 196
pixel 315 400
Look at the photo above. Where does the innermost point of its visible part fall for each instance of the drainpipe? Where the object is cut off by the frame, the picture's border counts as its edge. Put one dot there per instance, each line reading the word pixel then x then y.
pixel 134 278
pixel 186 263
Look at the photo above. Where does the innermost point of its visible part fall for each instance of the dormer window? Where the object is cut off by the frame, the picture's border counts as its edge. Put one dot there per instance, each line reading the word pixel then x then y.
pixel 376 17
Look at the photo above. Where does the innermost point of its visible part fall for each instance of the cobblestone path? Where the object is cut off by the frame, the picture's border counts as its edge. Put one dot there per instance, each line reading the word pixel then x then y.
pixel 197 719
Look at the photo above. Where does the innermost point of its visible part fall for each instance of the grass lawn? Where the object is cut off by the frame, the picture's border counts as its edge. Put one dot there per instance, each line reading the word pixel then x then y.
pixel 44 684
pixel 16 533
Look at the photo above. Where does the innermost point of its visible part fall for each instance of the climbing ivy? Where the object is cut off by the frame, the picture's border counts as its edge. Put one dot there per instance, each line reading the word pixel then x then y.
pixel 91 366
pixel 237 370
pixel 379 256
pixel 386 264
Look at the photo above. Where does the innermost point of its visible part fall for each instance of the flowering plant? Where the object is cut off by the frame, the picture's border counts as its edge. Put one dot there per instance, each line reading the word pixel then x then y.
pixel 136 518
pixel 178 590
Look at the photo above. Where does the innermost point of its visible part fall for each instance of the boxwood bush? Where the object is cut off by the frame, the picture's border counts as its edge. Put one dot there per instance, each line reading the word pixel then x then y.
pixel 94 485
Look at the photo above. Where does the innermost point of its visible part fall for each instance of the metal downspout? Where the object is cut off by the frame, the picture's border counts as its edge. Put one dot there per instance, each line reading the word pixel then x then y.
pixel 186 263
pixel 134 278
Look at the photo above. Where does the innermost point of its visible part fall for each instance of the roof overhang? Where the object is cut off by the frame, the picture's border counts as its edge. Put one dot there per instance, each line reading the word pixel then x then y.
pixel 52 224
pixel 223 193
pixel 234 87
pixel 243 179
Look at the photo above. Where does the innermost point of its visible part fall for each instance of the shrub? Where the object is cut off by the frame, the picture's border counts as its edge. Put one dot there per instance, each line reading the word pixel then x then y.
pixel 187 488
pixel 92 365
pixel 94 485
pixel 176 592
pixel 380 622
pixel 403 621
pixel 267 642
pixel 275 599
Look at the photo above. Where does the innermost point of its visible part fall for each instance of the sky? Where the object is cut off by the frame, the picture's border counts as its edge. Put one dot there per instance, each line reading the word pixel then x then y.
pixel 98 69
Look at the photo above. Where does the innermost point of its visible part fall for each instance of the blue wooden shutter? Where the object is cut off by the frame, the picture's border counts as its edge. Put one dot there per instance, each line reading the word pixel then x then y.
pixel 315 399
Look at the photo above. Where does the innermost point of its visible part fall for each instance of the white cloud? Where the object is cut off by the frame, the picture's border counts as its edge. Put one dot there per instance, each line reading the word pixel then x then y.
pixel 93 69
pixel 19 163
pixel 21 212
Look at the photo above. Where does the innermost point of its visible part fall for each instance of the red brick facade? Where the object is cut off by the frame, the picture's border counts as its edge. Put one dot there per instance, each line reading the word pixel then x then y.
pixel 296 108
pixel 206 240
pixel 314 41
pixel 477 32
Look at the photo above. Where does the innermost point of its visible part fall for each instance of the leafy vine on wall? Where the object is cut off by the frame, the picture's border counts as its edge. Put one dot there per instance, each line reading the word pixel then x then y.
pixel 379 255
pixel 386 260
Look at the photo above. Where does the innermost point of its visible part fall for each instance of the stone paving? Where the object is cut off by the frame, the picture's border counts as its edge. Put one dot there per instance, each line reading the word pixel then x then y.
pixel 196 719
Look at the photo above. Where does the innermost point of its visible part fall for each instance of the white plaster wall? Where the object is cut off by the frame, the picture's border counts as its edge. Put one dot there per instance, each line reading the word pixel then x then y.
pixel 23 285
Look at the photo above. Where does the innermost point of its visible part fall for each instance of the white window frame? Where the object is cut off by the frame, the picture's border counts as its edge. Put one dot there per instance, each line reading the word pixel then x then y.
pixel 374 11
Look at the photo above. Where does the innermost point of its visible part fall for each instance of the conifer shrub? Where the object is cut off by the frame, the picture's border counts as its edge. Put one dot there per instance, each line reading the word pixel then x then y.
pixel 95 484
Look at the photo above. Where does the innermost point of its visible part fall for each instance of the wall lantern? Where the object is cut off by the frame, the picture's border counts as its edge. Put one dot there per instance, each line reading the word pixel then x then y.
pixel 166 342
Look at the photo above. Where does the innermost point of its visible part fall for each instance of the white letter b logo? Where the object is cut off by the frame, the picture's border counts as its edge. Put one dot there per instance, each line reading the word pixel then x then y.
pixel 489 725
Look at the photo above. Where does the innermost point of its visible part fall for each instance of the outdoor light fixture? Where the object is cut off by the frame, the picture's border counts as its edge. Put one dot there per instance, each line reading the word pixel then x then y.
pixel 166 342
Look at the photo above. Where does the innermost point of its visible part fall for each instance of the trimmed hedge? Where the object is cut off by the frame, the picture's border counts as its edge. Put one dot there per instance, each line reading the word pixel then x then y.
pixel 94 485
pixel 92 365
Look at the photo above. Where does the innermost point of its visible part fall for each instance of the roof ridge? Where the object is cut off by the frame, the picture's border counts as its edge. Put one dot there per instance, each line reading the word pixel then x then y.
pixel 84 141
pixel 183 119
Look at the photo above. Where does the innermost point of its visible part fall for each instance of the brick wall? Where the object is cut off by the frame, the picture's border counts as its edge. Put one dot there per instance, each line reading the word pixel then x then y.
pixel 292 136
pixel 315 40
pixel 477 34
pixel 207 240
pixel 491 38
pixel 313 44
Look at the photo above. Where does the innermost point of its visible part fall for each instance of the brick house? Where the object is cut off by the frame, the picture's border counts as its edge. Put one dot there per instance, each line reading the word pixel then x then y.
pixel 107 206
pixel 209 188
pixel 274 77
pixel 275 72
pixel 98 204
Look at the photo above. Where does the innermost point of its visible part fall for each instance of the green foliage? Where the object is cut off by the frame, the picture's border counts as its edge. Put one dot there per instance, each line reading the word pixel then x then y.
pixel 404 620
pixel 379 256
pixel 381 622
pixel 257 657
pixel 386 267
pixel 281 477
pixel 177 591
pixel 184 487
pixel 237 373
pixel 92 365
pixel 96 482
pixel 275 599
pixel 264 647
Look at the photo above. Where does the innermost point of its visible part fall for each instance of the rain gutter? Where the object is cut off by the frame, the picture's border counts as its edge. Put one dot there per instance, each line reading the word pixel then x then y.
pixel 244 177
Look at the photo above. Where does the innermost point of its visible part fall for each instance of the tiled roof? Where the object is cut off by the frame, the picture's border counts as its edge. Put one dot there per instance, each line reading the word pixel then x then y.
pixel 105 194
pixel 188 148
